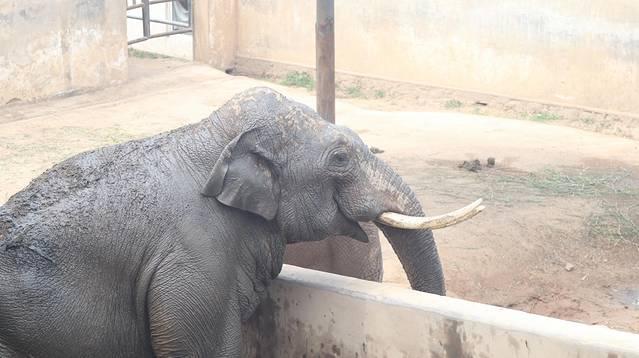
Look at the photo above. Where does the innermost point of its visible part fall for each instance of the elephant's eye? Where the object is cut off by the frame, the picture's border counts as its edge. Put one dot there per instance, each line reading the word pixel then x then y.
pixel 340 159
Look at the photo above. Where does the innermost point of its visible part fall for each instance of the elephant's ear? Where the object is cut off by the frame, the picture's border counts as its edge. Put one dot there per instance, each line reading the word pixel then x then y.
pixel 243 178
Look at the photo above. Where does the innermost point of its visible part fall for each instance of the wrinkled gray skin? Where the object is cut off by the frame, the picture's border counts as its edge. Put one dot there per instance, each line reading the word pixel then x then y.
pixel 163 246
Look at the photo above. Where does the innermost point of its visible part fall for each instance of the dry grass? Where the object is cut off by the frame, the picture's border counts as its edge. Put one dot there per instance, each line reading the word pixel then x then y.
pixel 615 222
pixel 615 194
pixel 584 183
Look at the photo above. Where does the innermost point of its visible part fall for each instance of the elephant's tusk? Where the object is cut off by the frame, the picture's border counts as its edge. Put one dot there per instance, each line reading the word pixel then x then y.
pixel 401 221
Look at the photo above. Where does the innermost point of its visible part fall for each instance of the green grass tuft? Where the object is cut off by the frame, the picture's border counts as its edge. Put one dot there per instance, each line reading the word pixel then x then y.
pixel 355 90
pixel 544 117
pixel 299 79
pixel 452 104
pixel 144 54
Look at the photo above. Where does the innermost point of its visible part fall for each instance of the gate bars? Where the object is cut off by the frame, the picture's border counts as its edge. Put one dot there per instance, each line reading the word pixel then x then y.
pixel 146 20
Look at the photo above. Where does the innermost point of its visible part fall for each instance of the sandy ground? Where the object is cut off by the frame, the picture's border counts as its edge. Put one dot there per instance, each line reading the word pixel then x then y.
pixel 560 234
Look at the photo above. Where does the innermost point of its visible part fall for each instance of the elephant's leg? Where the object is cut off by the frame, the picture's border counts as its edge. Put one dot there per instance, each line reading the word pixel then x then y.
pixel 192 314
pixel 341 255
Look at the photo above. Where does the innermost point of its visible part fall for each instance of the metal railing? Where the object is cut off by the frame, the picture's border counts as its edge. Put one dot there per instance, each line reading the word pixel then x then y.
pixel 145 5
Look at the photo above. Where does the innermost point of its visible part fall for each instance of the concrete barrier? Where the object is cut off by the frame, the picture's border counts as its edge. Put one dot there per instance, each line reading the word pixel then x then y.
pixel 55 47
pixel 314 314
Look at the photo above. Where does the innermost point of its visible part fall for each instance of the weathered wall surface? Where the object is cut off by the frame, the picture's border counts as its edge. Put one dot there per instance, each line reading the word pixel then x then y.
pixel 215 28
pixel 571 52
pixel 315 314
pixel 54 47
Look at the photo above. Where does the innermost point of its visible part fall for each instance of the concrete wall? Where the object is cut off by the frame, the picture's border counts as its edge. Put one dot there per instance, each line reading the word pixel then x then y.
pixel 57 46
pixel 315 314
pixel 215 29
pixel 570 52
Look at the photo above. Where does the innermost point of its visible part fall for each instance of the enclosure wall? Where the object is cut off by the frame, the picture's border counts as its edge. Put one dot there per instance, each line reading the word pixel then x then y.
pixel 570 52
pixel 55 47
pixel 215 26
pixel 315 314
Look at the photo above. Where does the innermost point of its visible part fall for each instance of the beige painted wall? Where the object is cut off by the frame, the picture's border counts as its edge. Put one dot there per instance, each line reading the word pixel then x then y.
pixel 58 46
pixel 571 52
pixel 215 28
pixel 315 314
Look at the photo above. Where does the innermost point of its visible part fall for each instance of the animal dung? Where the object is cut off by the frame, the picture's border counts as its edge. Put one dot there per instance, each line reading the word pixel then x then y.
pixel 472 165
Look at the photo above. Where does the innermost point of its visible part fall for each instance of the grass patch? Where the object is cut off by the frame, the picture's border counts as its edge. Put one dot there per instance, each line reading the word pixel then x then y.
pixel 299 79
pixel 544 117
pixel 379 94
pixel 615 216
pixel 452 104
pixel 144 54
pixel 354 90
pixel 615 223
pixel 580 184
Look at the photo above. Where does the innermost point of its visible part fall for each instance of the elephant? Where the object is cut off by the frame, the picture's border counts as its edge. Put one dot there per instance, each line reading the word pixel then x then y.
pixel 163 246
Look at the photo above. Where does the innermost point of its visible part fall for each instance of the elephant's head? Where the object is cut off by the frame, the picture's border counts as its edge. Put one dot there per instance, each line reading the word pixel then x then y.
pixel 315 179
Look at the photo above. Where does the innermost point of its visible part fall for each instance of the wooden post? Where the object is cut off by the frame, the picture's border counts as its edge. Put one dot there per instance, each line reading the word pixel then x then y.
pixel 325 59
pixel 146 17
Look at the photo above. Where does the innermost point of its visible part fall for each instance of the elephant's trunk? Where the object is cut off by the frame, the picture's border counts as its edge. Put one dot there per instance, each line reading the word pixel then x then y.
pixel 417 252
pixel 416 249
pixel 416 246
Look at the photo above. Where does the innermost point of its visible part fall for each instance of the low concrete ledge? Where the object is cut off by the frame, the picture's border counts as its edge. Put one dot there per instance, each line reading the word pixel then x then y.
pixel 315 314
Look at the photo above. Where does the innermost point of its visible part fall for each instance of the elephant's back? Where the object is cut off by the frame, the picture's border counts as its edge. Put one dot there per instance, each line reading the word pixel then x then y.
pixel 88 215
pixel 119 164
pixel 71 247
pixel 86 187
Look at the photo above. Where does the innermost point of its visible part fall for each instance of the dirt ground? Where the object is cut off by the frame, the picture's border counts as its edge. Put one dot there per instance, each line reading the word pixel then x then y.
pixel 559 237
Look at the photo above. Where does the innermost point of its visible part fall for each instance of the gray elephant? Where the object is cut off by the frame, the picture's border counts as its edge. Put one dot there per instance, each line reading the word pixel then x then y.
pixel 163 246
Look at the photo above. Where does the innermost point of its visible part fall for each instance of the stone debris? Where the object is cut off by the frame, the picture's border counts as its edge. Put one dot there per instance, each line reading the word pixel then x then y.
pixel 569 267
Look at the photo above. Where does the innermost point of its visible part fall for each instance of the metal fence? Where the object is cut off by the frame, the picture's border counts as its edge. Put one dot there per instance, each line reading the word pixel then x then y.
pixel 145 5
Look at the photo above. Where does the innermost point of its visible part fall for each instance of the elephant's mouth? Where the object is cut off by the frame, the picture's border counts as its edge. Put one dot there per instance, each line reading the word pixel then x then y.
pixel 347 226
